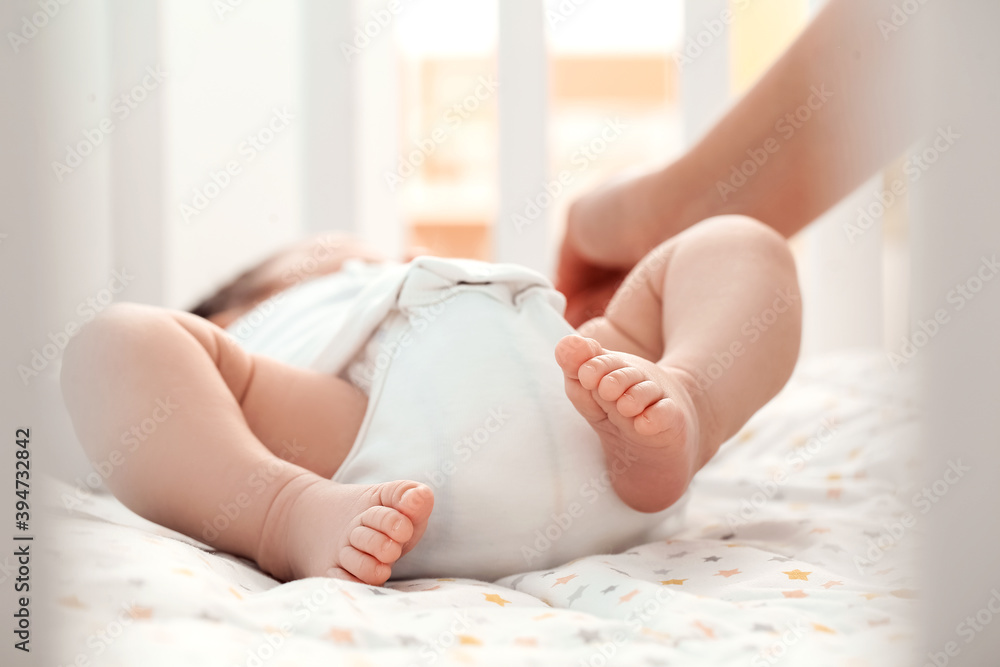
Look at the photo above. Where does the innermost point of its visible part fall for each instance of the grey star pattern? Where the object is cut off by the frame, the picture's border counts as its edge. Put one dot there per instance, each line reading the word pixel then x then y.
pixel 624 574
pixel 711 559
pixel 780 559
pixel 760 627
pixel 514 583
pixel 660 571
pixel 608 590
pixel 728 537
pixel 407 640
pixel 589 636
pixel 577 594
pixel 679 554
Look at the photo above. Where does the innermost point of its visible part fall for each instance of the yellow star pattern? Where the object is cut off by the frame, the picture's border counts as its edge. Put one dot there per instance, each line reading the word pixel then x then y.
pixel 797 574
pixel 673 582
pixel 468 640
pixel 496 599
pixel 728 573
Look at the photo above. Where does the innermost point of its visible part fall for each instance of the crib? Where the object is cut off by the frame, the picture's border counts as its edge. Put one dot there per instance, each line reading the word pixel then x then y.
pixel 95 188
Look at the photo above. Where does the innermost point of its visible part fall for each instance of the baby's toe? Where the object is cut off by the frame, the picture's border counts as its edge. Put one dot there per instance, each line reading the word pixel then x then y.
pixel 584 402
pixel 376 544
pixel 340 573
pixel 392 523
pixel 639 397
pixel 573 350
pixel 364 566
pixel 416 503
pixel 593 370
pixel 616 383
pixel 413 499
pixel 662 416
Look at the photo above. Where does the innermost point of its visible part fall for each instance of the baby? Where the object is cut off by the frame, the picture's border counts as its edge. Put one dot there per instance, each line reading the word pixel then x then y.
pixel 676 365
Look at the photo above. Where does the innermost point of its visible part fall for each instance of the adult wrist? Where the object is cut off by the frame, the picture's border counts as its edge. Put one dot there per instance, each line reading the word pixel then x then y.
pixel 685 194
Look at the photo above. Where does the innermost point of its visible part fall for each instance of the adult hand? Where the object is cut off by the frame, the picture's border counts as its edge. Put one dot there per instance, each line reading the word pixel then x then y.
pixel 588 287
pixel 607 232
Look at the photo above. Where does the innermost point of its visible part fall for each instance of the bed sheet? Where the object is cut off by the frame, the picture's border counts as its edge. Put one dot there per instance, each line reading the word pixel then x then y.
pixel 794 552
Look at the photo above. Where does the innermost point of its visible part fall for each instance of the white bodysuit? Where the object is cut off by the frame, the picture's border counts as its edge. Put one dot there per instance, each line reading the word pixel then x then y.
pixel 457 358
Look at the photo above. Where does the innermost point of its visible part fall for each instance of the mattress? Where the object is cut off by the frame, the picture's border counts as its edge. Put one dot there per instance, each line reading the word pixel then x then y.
pixel 799 548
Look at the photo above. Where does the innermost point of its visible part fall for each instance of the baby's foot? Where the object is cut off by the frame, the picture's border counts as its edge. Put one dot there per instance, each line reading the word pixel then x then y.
pixel 320 528
pixel 644 415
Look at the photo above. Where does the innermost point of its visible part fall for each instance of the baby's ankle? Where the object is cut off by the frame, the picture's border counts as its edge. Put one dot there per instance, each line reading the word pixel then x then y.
pixel 272 546
pixel 708 432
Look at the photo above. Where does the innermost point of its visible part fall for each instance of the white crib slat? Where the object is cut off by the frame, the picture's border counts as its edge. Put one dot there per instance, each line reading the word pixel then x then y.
pixel 841 276
pixel 523 65
pixel 137 148
pixel 705 75
pixel 842 272
pixel 55 251
pixel 956 238
pixel 329 113
pixel 377 112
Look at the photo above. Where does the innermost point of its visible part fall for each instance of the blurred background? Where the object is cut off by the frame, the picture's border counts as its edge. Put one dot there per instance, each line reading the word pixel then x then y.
pixel 438 124
pixel 421 160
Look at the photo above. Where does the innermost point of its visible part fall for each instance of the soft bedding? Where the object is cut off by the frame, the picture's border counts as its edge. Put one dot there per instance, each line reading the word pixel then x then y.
pixel 795 551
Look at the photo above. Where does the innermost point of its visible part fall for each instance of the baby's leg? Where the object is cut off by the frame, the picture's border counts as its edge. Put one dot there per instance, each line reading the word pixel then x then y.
pixel 704 331
pixel 219 464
